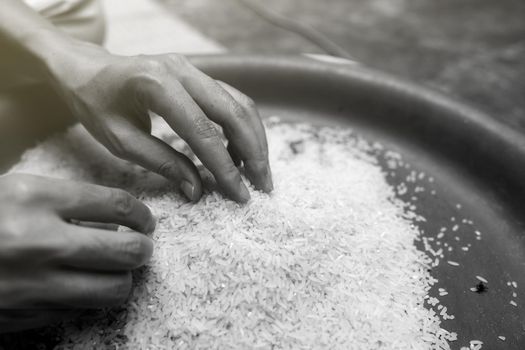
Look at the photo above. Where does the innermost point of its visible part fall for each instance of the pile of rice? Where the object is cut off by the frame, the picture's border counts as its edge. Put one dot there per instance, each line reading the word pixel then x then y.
pixel 326 261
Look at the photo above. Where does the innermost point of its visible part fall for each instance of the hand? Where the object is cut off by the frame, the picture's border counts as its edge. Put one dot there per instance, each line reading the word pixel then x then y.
pixel 49 268
pixel 112 95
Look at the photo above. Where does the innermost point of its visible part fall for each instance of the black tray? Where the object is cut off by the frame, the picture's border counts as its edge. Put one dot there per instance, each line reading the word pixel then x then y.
pixel 476 162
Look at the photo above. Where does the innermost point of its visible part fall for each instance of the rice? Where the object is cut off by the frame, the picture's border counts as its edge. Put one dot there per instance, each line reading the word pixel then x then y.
pixel 482 279
pixel 326 261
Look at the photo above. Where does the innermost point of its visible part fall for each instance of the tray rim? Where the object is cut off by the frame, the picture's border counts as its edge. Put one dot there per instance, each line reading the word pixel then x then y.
pixel 501 146
pixel 366 76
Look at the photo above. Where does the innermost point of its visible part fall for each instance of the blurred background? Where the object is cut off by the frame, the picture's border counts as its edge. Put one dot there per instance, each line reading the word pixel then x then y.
pixel 471 49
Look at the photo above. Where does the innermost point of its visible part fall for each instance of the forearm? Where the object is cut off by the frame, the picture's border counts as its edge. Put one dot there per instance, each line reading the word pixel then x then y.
pixel 28 43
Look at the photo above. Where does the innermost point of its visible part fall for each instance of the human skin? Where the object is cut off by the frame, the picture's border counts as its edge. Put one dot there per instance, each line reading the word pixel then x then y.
pixel 50 268
pixel 112 97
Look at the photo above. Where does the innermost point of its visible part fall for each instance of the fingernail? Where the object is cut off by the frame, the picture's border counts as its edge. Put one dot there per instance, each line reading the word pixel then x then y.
pixel 188 189
pixel 260 174
pixel 152 224
pixel 243 191
pixel 268 179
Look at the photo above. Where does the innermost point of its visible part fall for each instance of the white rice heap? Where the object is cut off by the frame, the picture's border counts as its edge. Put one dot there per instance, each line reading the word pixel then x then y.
pixel 327 261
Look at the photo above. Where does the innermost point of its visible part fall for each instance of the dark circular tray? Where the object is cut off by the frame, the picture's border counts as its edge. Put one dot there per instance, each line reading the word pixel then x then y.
pixel 476 162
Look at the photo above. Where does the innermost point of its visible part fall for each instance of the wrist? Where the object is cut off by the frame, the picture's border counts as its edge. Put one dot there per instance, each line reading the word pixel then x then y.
pixel 46 47
pixel 60 57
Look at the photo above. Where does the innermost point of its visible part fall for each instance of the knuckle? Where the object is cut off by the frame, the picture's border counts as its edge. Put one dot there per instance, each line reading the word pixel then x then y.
pixel 142 83
pixel 168 170
pixel 179 60
pixel 22 240
pixel 145 73
pixel 249 103
pixel 181 67
pixel 238 111
pixel 149 80
pixel 123 202
pixel 205 129
pixel 9 229
pixel 17 238
pixel 150 64
pixel 18 188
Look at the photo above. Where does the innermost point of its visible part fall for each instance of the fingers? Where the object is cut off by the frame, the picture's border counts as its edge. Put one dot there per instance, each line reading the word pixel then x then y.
pixel 83 289
pixel 93 249
pixel 251 110
pixel 236 113
pixel 87 202
pixel 155 155
pixel 68 288
pixel 176 106
pixel 257 170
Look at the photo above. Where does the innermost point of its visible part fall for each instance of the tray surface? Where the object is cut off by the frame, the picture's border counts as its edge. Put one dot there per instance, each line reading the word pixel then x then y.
pixel 477 165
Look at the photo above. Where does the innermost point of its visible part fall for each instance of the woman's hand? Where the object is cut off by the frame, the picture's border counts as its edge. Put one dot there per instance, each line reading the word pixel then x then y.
pixel 48 267
pixel 112 96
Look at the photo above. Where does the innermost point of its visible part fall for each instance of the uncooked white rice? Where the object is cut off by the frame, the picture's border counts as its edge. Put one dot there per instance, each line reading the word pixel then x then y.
pixel 482 279
pixel 326 261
